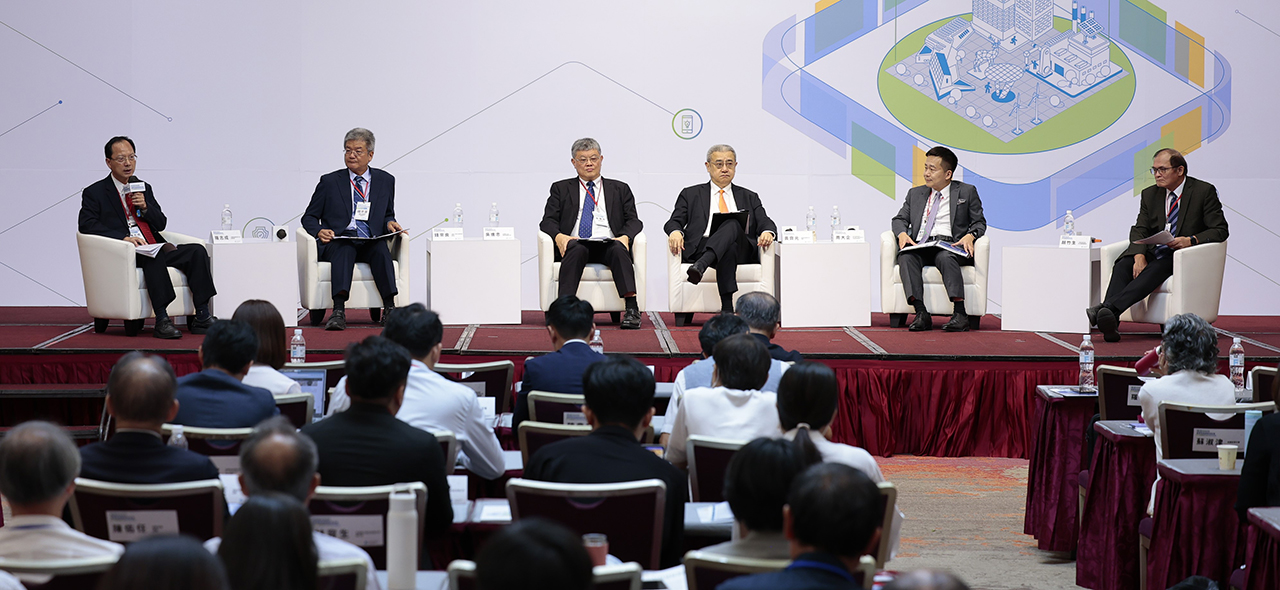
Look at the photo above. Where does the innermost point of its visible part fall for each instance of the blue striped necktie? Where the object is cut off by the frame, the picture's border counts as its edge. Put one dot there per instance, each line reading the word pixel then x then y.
pixel 1162 251
pixel 588 211
pixel 362 227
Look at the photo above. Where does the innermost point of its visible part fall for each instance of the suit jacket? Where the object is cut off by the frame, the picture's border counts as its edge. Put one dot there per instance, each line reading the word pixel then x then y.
pixel 331 208
pixel 561 213
pixel 367 446
pixel 778 352
pixel 693 208
pixel 140 457
pixel 557 372
pixel 1199 215
pixel 102 213
pixel 611 454
pixel 214 399
pixel 798 577
pixel 966 211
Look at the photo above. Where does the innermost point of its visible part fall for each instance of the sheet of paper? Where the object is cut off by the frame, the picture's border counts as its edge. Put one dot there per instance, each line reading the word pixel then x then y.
pixel 150 250
pixel 226 464
pixel 494 512
pixel 721 512
pixel 706 513
pixel 672 577
pixel 1163 237
pixel 488 406
pixel 457 488
pixel 937 244
pixel 512 460
pixel 231 491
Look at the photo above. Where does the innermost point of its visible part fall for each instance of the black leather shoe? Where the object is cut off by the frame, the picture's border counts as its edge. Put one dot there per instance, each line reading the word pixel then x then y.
pixel 959 323
pixel 631 319
pixel 386 313
pixel 164 329
pixel 696 271
pixel 1109 324
pixel 337 321
pixel 1092 312
pixel 923 322
pixel 197 326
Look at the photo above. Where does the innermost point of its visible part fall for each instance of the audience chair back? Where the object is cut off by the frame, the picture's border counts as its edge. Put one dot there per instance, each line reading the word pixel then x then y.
pixel 630 513
pixel 195 508
pixel 1264 382
pixel 299 408
pixel 220 445
pixel 708 461
pixel 332 504
pixel 622 576
pixel 491 379
pixel 706 571
pixel 545 406
pixel 889 506
pixel 1178 423
pixel 449 446
pixel 462 575
pixel 342 574
pixel 1114 402
pixel 535 435
pixel 68 574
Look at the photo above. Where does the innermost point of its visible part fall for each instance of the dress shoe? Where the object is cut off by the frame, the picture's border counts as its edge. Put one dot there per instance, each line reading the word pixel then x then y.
pixel 696 270
pixel 1109 324
pixel 923 322
pixel 959 323
pixel 199 326
pixel 164 329
pixel 1092 312
pixel 386 313
pixel 631 319
pixel 337 321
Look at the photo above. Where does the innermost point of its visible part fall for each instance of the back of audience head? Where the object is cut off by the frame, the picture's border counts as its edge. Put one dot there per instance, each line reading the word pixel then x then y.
pixel 140 391
pixel 1195 583
pixel 534 554
pixel 717 328
pixel 278 458
pixel 377 370
pixel 759 477
pixel 926 580
pixel 618 390
pixel 571 318
pixel 1189 343
pixel 836 509
pixel 761 311
pixel 266 322
pixel 268 545
pixel 38 465
pixel 807 398
pixel 230 345
pixel 416 328
pixel 166 562
pixel 742 362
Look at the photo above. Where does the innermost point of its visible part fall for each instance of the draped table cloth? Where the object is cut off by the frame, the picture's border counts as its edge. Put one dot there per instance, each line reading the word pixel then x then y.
pixel 1264 553
pixel 1056 459
pixel 1119 487
pixel 1196 531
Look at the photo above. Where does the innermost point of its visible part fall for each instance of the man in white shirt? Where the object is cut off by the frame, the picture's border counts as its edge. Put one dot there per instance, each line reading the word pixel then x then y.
pixel 38 467
pixel 278 458
pixel 734 407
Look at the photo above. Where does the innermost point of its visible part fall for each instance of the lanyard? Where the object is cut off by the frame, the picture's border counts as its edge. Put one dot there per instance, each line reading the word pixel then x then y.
pixel 590 193
pixel 356 187
pixel 823 566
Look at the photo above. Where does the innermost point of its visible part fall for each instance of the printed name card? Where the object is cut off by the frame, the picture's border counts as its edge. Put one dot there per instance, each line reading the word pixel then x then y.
pixel 1075 242
pixel 446 234
pixel 575 419
pixel 226 464
pixel 361 530
pixel 791 235
pixel 499 233
pixel 488 406
pixel 226 236
pixel 457 489
pixel 127 526
pixel 855 236
pixel 1133 394
pixel 1207 439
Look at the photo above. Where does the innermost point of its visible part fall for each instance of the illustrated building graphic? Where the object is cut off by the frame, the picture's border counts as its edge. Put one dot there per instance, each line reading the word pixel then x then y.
pixel 995 19
pixel 1033 18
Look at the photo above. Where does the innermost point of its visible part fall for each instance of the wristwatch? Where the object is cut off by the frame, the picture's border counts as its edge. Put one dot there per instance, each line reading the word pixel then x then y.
pixel 1195 241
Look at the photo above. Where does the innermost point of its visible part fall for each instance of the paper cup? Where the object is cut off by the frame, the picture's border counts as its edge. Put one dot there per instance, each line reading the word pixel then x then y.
pixel 1227 457
pixel 597 545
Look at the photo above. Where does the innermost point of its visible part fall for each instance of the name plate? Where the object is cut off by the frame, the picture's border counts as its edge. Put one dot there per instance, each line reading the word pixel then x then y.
pixel 797 237
pixel 126 526
pixel 1075 242
pixel 1207 439
pixel 358 529
pixel 226 464
pixel 575 419
pixel 1133 395
pixel 855 236
pixel 446 234
pixel 499 233
pixel 226 236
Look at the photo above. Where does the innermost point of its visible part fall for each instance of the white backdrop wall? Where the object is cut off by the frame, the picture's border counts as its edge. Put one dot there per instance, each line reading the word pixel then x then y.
pixel 245 103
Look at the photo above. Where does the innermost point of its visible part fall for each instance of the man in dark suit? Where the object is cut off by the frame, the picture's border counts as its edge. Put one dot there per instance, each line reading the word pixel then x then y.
pixel 731 242
pixel 942 210
pixel 107 210
pixel 763 315
pixel 358 202
pixel 215 397
pixel 589 206
pixel 367 446
pixel 569 325
pixel 619 406
pixel 140 397
pixel 1188 208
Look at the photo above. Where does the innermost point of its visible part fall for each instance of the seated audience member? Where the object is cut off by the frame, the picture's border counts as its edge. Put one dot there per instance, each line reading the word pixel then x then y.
pixel 734 408
pixel 534 554
pixel 1260 474
pixel 273 347
pixel 432 402
pixel 1189 362
pixel 367 446
pixel 698 374
pixel 832 519
pixel 569 325
pixel 140 398
pixel 756 485
pixel 268 545
pixel 1195 583
pixel 279 459
pixel 619 406
pixel 38 467
pixel 926 580
pixel 764 317
pixel 216 397
pixel 166 562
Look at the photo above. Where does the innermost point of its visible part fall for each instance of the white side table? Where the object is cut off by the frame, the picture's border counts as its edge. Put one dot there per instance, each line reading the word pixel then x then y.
pixel 474 281
pixel 1047 288
pixel 824 284
pixel 256 270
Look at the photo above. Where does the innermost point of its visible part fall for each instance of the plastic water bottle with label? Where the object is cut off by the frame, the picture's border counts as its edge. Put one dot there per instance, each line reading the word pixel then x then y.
pixel 226 217
pixel 1069 224
pixel 493 215
pixel 597 343
pixel 1086 366
pixel 457 215
pixel 177 439
pixel 1237 364
pixel 298 347
pixel 811 222
pixel 835 220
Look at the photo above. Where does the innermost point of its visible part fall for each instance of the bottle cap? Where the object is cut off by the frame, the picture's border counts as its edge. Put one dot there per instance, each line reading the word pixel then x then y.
pixel 1235 341
pixel 297 331
pixel 177 429
pixel 226 206
pixel 1087 337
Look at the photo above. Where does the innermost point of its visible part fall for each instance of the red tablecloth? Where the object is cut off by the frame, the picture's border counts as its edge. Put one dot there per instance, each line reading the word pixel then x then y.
pixel 1264 553
pixel 1120 476
pixel 1196 530
pixel 1052 499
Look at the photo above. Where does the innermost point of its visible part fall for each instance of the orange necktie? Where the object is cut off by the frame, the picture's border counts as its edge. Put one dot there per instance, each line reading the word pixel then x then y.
pixel 724 208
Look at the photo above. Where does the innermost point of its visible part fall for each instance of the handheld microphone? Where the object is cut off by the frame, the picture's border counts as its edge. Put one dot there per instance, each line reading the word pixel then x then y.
pixel 135 185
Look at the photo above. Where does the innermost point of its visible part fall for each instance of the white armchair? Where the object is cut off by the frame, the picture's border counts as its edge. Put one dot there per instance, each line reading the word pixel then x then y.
pixel 316 290
pixel 685 299
pixel 113 285
pixel 893 300
pixel 1195 287
pixel 597 286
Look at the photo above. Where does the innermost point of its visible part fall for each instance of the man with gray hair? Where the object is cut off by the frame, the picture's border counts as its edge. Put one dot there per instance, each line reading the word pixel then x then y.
pixel 593 219
pixel 732 242
pixel 764 316
pixel 348 207
pixel 278 458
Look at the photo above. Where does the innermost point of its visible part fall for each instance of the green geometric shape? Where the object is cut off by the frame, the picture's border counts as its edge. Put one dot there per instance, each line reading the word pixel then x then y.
pixel 870 144
pixel 868 170
pixel 1143 26
pixel 1151 9
pixel 1142 177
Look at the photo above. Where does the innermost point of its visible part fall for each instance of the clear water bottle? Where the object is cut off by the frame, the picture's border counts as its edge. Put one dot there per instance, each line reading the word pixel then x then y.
pixel 1069 224
pixel 811 221
pixel 835 220
pixel 298 347
pixel 457 215
pixel 177 439
pixel 597 343
pixel 226 217
pixel 493 215
pixel 1086 366
pixel 1237 364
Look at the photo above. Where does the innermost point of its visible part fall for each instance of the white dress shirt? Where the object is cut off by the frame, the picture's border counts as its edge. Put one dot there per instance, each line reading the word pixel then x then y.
pixel 42 537
pixel 368 178
pixel 682 384
pixel 722 413
pixel 271 380
pixel 715 204
pixel 328 549
pixel 599 225
pixel 1183 387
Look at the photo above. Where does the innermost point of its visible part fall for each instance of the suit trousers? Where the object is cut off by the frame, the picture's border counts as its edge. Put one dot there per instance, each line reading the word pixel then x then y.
pixel 911 266
pixel 342 255
pixel 192 260
pixel 1126 290
pixel 729 244
pixel 614 255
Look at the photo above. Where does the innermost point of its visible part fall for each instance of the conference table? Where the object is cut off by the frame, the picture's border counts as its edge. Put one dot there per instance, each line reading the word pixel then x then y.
pixel 1118 489
pixel 671 578
pixel 1263 555
pixel 1062 413
pixel 1196 531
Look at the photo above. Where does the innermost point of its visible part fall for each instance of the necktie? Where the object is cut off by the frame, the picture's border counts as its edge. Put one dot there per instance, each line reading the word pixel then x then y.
pixel 362 227
pixel 724 207
pixel 1162 251
pixel 931 214
pixel 588 211
pixel 143 226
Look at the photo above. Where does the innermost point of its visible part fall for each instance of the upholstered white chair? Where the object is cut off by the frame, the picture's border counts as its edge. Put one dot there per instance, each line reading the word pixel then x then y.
pixel 316 290
pixel 893 300
pixel 113 285
pixel 597 286
pixel 685 299
pixel 1195 287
